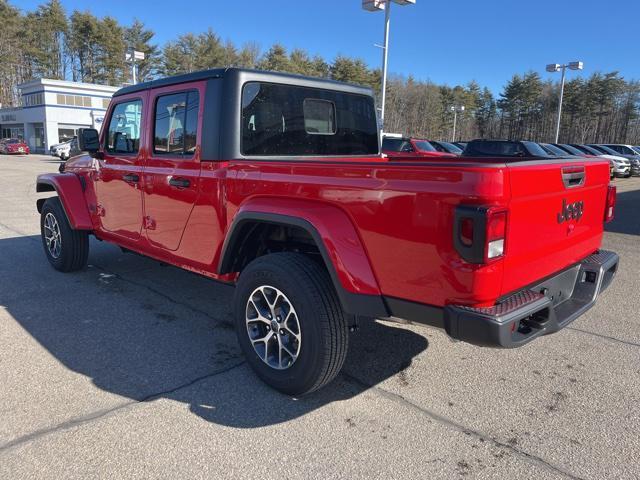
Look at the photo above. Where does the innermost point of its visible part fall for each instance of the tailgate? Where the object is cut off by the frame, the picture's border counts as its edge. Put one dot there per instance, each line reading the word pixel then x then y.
pixel 556 217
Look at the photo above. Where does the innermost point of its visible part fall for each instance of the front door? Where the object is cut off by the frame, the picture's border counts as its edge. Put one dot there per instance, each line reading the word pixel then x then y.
pixel 172 171
pixel 119 172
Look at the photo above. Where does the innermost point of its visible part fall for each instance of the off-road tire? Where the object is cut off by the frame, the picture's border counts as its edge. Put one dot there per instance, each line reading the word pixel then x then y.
pixel 322 322
pixel 74 249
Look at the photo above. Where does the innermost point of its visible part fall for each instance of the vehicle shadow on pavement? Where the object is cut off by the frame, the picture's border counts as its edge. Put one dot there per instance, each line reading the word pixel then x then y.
pixel 627 217
pixel 144 332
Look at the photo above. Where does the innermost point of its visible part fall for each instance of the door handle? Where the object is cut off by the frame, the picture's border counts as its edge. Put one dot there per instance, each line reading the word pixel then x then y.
pixel 179 182
pixel 131 177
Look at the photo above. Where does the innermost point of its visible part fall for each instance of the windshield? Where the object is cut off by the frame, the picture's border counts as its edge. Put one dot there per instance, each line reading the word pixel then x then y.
pixel 13 140
pixel 451 148
pixel 571 149
pixel 553 149
pixel 637 150
pixel 606 150
pixel 588 149
pixel 535 149
pixel 424 146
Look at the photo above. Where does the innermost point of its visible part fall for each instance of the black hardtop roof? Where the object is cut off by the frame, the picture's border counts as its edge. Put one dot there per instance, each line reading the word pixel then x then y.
pixel 275 77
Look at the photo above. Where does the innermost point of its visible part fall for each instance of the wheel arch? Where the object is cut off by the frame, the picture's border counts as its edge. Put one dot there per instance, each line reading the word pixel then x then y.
pixel 334 236
pixel 70 191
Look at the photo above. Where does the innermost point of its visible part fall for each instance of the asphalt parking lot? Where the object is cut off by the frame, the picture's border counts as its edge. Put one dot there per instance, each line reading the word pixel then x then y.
pixel 130 369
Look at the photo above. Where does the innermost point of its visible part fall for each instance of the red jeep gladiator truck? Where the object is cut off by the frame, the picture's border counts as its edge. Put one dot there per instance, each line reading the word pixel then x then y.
pixel 275 184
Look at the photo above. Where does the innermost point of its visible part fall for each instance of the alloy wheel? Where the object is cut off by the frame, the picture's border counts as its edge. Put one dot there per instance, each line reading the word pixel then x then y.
pixel 273 327
pixel 52 235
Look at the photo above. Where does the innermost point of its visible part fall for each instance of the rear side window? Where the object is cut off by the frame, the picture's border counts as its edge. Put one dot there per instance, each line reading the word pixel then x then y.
pixel 123 135
pixel 176 124
pixel 296 121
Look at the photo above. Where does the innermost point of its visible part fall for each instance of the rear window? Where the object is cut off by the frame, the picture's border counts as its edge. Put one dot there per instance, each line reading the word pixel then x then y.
pixel 295 121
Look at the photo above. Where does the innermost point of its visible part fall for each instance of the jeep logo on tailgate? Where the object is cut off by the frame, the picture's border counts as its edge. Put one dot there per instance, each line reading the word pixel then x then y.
pixel 570 210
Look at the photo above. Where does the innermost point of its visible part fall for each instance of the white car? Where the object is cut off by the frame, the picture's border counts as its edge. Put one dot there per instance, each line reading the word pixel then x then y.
pixel 621 165
pixel 65 150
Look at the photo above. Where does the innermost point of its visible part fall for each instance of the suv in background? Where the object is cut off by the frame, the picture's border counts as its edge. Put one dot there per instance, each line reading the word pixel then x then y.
pixel 407 147
pixel 622 165
pixel 629 152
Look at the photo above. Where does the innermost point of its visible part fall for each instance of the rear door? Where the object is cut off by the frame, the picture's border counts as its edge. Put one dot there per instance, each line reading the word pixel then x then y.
pixel 556 217
pixel 117 180
pixel 172 171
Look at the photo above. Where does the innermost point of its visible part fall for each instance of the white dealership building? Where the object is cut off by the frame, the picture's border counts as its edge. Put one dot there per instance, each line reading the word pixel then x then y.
pixel 51 111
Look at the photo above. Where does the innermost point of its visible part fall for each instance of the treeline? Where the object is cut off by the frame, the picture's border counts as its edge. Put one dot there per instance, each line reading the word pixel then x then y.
pixel 50 43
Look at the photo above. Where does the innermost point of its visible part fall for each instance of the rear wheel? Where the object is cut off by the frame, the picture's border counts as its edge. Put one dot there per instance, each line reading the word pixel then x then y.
pixel 66 249
pixel 289 323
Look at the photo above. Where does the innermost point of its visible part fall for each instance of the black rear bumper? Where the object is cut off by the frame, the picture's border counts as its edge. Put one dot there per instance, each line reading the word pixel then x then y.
pixel 541 309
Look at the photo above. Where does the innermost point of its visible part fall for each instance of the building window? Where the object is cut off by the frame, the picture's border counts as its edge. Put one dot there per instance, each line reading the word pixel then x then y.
pixel 74 100
pixel 65 134
pixel 33 99
pixel 176 124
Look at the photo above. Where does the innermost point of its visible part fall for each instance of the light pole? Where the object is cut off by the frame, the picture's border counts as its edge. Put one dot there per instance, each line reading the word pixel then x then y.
pixel 132 56
pixel 375 6
pixel 455 109
pixel 556 67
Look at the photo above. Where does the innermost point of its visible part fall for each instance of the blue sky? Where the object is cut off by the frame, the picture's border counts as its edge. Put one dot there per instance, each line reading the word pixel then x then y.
pixel 449 42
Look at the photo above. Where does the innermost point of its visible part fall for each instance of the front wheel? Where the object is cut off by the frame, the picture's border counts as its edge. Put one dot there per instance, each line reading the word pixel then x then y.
pixel 290 323
pixel 66 249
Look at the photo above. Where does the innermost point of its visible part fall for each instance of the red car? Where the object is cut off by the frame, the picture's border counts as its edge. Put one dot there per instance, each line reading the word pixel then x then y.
pixel 14 145
pixel 407 147
pixel 275 184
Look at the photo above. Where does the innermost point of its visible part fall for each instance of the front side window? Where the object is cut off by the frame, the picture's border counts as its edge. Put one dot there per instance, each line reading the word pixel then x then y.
pixel 123 135
pixel 176 123
pixel 290 120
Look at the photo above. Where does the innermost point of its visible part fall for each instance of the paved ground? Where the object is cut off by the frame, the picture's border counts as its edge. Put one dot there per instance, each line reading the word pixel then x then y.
pixel 130 370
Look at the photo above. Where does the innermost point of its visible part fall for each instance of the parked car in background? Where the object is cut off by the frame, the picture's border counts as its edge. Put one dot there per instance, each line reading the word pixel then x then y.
pixel 446 147
pixel 65 150
pixel 628 152
pixel 622 165
pixel 407 147
pixel 504 148
pixel 460 145
pixel 14 146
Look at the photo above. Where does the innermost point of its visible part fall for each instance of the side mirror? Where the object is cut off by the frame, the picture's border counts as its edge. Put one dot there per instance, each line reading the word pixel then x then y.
pixel 88 140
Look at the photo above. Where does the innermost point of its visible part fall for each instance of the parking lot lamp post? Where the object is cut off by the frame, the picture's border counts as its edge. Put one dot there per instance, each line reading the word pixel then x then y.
pixel 455 109
pixel 132 56
pixel 374 6
pixel 556 67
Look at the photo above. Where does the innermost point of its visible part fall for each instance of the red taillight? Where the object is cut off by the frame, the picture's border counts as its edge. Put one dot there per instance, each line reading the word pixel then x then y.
pixel 611 203
pixel 480 233
pixel 496 233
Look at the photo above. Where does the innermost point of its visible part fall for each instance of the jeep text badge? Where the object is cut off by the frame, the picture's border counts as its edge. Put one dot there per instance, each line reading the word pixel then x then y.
pixel 570 211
